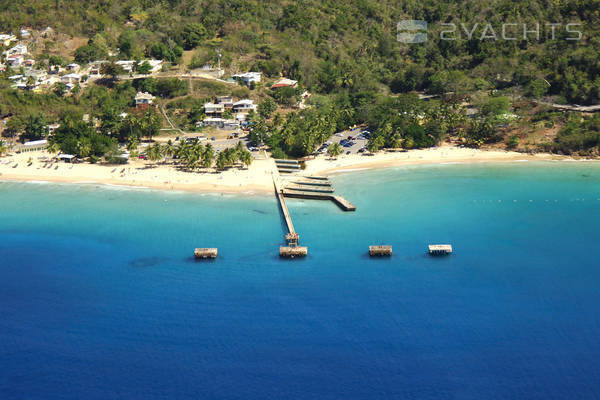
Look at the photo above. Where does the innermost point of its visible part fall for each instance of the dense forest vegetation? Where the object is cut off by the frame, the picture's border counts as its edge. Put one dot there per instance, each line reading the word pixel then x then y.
pixel 333 46
pixel 346 54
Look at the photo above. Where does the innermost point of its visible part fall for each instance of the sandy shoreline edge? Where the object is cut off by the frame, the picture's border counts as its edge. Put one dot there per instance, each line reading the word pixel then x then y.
pixel 256 180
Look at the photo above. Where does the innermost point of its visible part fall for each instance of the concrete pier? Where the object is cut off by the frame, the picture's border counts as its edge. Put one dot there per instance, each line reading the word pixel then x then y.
pixel 205 253
pixel 440 249
pixel 341 202
pixel 293 249
pixel 380 251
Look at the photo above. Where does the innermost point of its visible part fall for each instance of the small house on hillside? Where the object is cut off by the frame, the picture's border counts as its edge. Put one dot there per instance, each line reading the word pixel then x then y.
pixel 244 106
pixel 15 60
pixel 95 67
pixel 143 99
pixel 6 40
pixel 285 82
pixel 226 101
pixel 71 78
pixel 73 67
pixel 127 65
pixel 214 110
pixel 248 78
pixel 19 49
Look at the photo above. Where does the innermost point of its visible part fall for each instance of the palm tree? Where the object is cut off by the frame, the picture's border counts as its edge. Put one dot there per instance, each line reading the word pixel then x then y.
pixel 168 150
pixel 246 158
pixel 3 147
pixel 155 152
pixel 208 156
pixel 334 150
pixel 221 160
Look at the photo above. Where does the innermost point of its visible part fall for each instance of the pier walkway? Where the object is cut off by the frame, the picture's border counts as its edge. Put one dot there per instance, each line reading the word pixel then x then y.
pixel 293 248
pixel 284 209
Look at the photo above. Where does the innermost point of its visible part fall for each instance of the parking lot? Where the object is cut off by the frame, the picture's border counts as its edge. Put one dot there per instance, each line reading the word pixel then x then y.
pixel 349 146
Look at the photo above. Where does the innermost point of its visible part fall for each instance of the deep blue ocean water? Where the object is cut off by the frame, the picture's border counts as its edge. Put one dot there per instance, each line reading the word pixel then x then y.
pixel 100 299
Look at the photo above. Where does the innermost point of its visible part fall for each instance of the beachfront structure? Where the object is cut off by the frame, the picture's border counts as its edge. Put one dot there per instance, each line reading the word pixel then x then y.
pixel 35 145
pixel 66 158
pixel 143 99
pixel 285 82
pixel 248 78
pixel 245 105
pixel 214 110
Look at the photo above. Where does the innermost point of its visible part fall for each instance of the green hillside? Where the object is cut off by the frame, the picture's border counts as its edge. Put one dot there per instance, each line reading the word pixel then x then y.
pixel 347 55
pixel 337 45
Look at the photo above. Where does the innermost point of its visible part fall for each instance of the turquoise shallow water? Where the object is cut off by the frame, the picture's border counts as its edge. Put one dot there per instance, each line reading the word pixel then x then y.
pixel 100 299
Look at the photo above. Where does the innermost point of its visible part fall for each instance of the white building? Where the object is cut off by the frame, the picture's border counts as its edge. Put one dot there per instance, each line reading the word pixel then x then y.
pixel 127 65
pixel 143 99
pixel 244 106
pixel 226 101
pixel 214 109
pixel 95 67
pixel 15 60
pixel 19 49
pixel 249 77
pixel 285 82
pixel 6 40
pixel 220 123
pixel 71 78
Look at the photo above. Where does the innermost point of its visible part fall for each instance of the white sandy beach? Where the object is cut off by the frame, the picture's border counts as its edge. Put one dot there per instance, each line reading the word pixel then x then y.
pixel 435 155
pixel 256 179
pixel 138 173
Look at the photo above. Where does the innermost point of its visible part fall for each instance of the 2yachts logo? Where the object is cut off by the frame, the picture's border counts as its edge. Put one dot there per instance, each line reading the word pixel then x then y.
pixel 415 31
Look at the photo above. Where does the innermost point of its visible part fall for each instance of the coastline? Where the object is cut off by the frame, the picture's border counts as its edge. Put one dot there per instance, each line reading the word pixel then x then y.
pixel 443 155
pixel 257 179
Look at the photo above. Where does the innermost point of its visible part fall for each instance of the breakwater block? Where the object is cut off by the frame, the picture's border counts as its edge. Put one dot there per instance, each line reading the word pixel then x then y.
pixel 380 251
pixel 203 253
